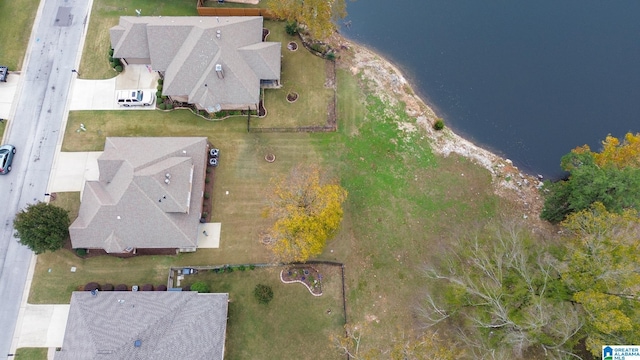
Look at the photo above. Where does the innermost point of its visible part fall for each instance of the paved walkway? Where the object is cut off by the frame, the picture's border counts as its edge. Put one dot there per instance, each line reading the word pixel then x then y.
pixel 209 235
pixel 101 94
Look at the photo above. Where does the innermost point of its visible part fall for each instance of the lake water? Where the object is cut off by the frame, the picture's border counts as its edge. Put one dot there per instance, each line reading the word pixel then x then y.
pixel 527 80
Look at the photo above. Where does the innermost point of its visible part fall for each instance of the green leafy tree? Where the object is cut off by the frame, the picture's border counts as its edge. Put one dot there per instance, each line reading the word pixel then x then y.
pixel 307 212
pixel 503 295
pixel 42 227
pixel 318 16
pixel 201 287
pixel 603 272
pixel 611 177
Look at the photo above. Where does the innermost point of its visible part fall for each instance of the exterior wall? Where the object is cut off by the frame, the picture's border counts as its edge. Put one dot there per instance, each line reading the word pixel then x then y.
pixel 136 252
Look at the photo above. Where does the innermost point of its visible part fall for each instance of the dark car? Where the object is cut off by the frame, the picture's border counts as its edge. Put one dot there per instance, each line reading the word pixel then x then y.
pixel 6 158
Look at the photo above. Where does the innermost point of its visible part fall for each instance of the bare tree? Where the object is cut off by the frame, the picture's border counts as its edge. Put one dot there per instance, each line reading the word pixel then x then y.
pixel 503 293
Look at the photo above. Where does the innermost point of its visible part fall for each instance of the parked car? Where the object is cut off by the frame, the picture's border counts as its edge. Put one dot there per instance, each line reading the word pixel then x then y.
pixel 128 98
pixel 6 158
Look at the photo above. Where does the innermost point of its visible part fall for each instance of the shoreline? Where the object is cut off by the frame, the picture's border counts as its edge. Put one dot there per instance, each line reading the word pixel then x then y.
pixel 390 85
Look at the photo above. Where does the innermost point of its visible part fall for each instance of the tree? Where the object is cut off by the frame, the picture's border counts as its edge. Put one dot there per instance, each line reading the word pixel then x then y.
pixel 317 15
pixel 42 227
pixel 503 295
pixel 603 272
pixel 611 177
pixel 307 212
pixel 408 346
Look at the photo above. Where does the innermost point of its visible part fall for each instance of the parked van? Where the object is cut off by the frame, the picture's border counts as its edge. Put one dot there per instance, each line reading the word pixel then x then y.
pixel 134 98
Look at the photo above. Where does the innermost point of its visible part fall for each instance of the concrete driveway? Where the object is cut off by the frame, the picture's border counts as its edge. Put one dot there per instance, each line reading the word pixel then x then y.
pixel 72 169
pixel 7 93
pixel 43 326
pixel 101 94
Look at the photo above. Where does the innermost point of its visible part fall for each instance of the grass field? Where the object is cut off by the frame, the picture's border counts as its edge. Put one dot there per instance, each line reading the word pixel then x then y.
pixel 294 325
pixel 3 127
pixel 404 203
pixel 31 354
pixel 16 22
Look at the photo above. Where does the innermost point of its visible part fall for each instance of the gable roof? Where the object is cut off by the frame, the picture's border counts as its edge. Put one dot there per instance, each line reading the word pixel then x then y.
pixel 188 49
pixel 148 195
pixel 167 324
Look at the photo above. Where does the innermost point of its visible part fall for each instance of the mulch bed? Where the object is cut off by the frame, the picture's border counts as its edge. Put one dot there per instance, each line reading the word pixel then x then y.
pixel 304 274
pixel 292 97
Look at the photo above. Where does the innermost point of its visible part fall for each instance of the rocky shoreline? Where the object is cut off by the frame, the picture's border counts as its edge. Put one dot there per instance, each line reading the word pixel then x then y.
pixel 390 85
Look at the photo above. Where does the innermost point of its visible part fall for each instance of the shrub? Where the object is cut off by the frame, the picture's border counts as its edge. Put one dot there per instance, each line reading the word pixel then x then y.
pixel 121 287
pixel 111 60
pixel 81 252
pixel 204 214
pixel 169 106
pixel 229 269
pixel 207 196
pixel 162 106
pixel 119 68
pixel 110 52
pixel 439 124
pixel 207 180
pixel 161 288
pixel 200 286
pixel 251 267
pixel 160 81
pixel 92 286
pixel 159 87
pixel 107 287
pixel 146 287
pixel 242 268
pixel 159 94
pixel 331 56
pixel 291 27
pixel 263 293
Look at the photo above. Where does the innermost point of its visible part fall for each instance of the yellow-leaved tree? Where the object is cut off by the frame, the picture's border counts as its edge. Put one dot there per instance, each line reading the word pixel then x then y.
pixel 317 16
pixel 307 212
pixel 603 274
pixel 620 154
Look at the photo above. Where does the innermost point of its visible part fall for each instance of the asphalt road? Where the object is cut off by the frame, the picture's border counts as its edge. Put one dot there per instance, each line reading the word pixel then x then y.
pixel 34 129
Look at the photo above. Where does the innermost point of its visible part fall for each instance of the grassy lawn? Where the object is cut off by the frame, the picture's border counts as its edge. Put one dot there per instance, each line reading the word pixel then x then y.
pixel 3 127
pixel 105 14
pixel 294 325
pixel 303 73
pixel 31 354
pixel 404 203
pixel 16 22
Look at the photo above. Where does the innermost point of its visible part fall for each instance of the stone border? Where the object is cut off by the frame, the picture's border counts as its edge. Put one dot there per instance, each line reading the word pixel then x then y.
pixel 298 281
pixel 266 158
pixel 292 46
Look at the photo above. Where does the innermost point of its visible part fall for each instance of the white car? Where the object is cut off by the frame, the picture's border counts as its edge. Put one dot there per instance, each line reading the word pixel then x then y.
pixel 128 98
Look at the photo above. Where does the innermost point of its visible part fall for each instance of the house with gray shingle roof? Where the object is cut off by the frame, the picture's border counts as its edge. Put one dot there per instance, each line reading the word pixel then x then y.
pixel 212 62
pixel 148 195
pixel 145 325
